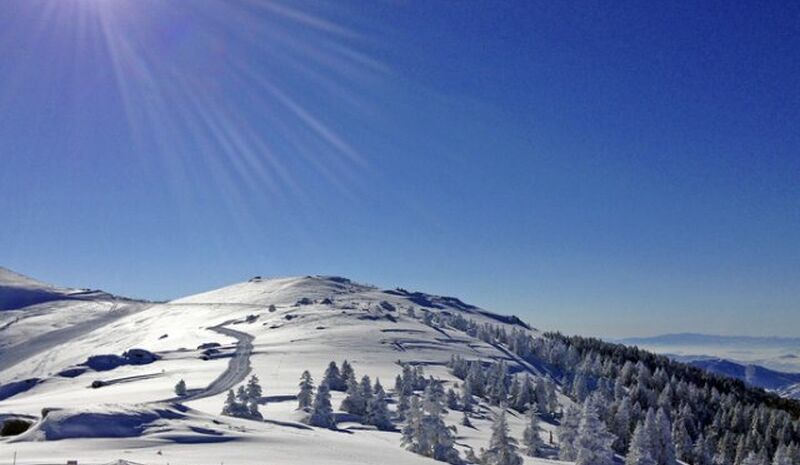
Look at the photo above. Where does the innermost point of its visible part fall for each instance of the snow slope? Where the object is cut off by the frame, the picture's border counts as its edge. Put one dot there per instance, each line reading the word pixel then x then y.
pixel 273 328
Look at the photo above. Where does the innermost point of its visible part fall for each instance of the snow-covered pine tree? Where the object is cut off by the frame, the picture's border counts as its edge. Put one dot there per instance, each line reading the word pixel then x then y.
pixel 180 388
pixel 241 395
pixel 452 399
pixel 253 389
pixel 333 378
pixel 467 402
pixel 378 409
pixel 354 401
pixel 502 447
pixel 306 395
pixel 593 443
pixel 568 433
pixel 230 404
pixel 252 410
pixel 530 437
pixel 347 371
pixel 664 445
pixel 621 424
pixel 321 411
pixel 433 399
pixel 639 450
pixel 701 453
pixel 413 438
pixel 366 391
pixel 782 456
pixel 524 396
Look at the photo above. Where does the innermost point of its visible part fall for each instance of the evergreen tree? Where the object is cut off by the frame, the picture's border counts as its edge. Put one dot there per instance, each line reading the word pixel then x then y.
pixel 180 388
pixel 567 434
pixel 378 409
pixel 593 443
pixel 433 400
pixel 465 420
pixel 412 435
pixel 322 412
pixel 253 389
pixel 347 371
pixel 502 447
pixel 639 450
pixel 452 399
pixel 466 398
pixel 530 437
pixel 306 394
pixel 333 378
pixel 354 402
pixel 782 456
pixel 252 410
pixel 664 445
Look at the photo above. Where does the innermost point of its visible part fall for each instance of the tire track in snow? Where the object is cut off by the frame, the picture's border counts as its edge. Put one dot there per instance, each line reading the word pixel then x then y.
pixel 237 370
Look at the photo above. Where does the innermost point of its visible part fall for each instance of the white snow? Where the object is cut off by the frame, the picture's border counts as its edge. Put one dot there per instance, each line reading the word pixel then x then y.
pixel 132 416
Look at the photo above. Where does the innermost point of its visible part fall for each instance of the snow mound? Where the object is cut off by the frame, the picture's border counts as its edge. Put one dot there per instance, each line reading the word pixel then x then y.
pixel 109 421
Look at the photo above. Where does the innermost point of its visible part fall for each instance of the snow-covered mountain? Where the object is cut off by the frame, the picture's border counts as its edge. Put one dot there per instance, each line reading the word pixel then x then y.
pixel 774 353
pixel 51 357
pixel 785 384
pixel 17 291
pixel 97 378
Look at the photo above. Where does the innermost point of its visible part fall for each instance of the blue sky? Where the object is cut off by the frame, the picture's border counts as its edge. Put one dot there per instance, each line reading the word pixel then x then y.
pixel 605 169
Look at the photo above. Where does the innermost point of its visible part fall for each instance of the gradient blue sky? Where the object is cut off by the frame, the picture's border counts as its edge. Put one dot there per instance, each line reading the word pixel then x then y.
pixel 603 168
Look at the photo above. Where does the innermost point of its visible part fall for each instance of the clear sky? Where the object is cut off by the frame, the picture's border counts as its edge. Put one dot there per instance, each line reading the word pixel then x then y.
pixel 603 168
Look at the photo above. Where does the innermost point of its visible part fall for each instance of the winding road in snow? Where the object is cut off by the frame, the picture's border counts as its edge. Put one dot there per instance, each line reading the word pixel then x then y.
pixel 238 365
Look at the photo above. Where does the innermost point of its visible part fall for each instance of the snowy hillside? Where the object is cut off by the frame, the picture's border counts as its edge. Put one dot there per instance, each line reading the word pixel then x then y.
pixel 272 328
pixel 101 379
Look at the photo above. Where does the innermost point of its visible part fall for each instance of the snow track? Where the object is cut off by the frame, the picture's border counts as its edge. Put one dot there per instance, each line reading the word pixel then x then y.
pixel 238 366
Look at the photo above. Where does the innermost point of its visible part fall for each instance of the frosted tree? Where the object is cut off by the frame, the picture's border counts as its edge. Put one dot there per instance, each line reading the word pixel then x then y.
pixel 502 447
pixel 333 378
pixel 180 388
pixel 253 389
pixel 639 450
pixel 621 424
pixel 567 434
pixel 366 391
pixel 425 432
pixel 701 452
pixel 523 397
pixel 465 420
pixel 236 405
pixel 433 400
pixel 452 399
pixel 412 437
pixel 530 437
pixel 466 398
pixel 347 371
pixel 252 410
pixel 378 409
pixel 321 411
pixel 306 394
pixel 752 459
pixel 662 439
pixel 594 441
pixel 241 395
pixel 782 456
pixel 230 405
pixel 354 402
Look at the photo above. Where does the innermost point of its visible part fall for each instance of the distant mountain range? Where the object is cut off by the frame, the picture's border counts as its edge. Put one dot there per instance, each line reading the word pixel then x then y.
pixel 770 363
pixel 697 339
